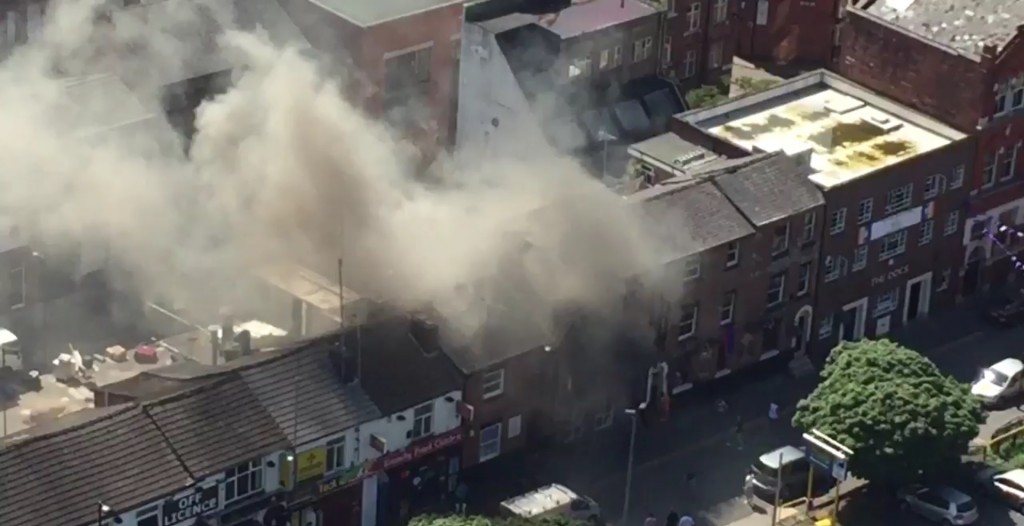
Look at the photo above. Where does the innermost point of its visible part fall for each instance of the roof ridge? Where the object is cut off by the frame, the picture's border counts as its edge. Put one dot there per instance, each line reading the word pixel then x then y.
pixel 11 442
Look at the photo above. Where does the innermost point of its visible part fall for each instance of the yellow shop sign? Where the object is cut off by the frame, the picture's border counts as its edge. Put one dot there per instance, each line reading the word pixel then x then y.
pixel 311 464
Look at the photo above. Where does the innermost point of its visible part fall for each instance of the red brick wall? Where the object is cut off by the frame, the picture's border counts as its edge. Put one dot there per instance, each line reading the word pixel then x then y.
pixel 932 79
pixel 700 41
pixel 799 31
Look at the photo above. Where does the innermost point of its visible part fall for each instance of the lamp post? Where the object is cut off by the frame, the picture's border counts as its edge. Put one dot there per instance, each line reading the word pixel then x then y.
pixel 101 511
pixel 633 414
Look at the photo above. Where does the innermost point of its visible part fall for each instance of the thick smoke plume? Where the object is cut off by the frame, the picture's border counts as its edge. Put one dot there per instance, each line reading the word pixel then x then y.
pixel 284 169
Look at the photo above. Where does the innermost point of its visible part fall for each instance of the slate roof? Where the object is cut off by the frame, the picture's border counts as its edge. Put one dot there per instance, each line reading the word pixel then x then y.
pixel 774 188
pixel 690 218
pixel 366 13
pixel 215 426
pixel 55 474
pixel 392 357
pixel 321 404
pixel 964 25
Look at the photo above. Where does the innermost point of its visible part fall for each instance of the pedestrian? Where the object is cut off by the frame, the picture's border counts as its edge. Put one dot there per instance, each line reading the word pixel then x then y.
pixel 748 489
pixel 650 520
pixel 739 432
pixel 686 520
pixel 773 414
pixel 691 479
pixel 461 496
pixel 673 519
pixel 721 406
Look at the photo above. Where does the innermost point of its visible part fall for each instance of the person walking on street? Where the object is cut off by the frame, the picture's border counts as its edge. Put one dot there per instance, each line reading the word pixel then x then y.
pixel 673 519
pixel 461 495
pixel 686 520
pixel 739 432
pixel 773 415
pixel 650 520
pixel 748 489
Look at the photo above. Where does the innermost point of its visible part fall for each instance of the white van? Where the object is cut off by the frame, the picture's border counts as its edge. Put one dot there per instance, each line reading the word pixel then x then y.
pixel 10 351
pixel 553 500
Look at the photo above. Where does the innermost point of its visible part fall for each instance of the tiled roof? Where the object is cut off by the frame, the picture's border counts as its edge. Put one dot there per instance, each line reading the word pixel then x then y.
pixel 305 396
pixel 771 189
pixel 391 357
pixel 55 475
pixel 217 425
pixel 691 218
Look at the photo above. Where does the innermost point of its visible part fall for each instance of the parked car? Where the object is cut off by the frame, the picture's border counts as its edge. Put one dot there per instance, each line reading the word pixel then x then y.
pixel 1008 488
pixel 999 382
pixel 552 501
pixel 940 504
pixel 795 468
pixel 1015 423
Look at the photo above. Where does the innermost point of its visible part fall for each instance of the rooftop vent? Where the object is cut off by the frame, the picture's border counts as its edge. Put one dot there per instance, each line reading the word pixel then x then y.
pixel 882 122
pixel 690 158
pixel 841 105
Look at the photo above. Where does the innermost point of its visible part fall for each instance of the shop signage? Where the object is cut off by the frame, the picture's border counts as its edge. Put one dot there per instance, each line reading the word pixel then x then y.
pixel 378 443
pixel 194 505
pixel 311 464
pixel 418 450
pixel 344 478
pixel 891 275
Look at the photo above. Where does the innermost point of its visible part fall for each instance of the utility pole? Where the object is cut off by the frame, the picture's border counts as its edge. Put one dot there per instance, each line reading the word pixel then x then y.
pixel 341 293
pixel 633 414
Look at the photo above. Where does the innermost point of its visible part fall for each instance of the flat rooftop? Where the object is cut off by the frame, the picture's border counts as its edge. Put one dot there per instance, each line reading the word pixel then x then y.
pixel 849 130
pixel 366 13
pixel 964 25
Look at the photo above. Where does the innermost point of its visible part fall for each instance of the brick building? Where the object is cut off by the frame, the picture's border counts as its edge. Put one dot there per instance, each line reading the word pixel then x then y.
pixel 964 65
pixel 698 41
pixel 894 187
pixel 743 238
pixel 788 31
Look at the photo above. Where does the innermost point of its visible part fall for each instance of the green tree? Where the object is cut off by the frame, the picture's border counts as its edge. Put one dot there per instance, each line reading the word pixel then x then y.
pixel 903 419
pixel 751 85
pixel 705 97
pixel 459 520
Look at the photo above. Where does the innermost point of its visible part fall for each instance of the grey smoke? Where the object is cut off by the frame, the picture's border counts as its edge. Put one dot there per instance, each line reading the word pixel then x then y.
pixel 283 168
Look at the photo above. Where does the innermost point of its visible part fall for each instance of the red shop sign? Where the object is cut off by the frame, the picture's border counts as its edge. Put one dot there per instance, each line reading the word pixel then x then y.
pixel 417 450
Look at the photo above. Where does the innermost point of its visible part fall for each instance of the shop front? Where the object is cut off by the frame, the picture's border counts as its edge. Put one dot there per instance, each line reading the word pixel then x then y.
pixel 419 478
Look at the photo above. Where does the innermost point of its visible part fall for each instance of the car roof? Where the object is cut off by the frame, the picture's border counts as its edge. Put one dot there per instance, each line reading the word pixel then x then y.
pixel 950 494
pixel 1014 475
pixel 1008 366
pixel 787 453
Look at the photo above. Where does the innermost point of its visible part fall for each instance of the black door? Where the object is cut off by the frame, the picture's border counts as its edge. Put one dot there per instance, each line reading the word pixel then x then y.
pixel 848 322
pixel 913 301
pixel 801 329
pixel 972 274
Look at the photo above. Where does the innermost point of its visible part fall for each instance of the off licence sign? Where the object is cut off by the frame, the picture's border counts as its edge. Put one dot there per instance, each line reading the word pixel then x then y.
pixel 189 506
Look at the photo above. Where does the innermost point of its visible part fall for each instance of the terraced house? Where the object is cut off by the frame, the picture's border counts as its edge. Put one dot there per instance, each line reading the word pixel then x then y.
pixel 895 188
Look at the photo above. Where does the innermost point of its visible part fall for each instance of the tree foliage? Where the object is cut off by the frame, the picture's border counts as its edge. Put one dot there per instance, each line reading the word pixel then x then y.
pixel 706 97
pixel 751 85
pixel 459 520
pixel 902 418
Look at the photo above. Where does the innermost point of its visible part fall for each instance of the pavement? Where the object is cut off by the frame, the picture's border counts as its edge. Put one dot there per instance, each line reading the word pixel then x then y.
pixel 700 440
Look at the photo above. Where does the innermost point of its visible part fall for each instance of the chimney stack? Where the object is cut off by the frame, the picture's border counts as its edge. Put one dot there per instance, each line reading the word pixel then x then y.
pixel 244 341
pixel 227 328
pixel 344 357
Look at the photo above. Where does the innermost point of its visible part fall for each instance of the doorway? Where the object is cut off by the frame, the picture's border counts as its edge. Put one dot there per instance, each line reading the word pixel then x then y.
pixel 918 298
pixel 972 273
pixel 851 320
pixel 802 324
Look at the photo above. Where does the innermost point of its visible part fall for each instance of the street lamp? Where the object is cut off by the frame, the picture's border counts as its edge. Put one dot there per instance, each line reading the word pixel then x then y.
pixel 604 137
pixel 101 511
pixel 633 413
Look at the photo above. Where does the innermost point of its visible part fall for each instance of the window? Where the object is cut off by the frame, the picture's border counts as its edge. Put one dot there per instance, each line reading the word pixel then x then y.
pixel 721 10
pixel 715 55
pixel 617 56
pixel 952 222
pixel 243 480
pixel 490 442
pixel 422 420
pixel 803 285
pixel 149 516
pixel 336 454
pixel 693 16
pixel 671 8
pixel 979 226
pixel 605 57
pixel 780 242
pixel 899 198
pixel 958 177
pixel 860 257
pixel 407 71
pixel 691 268
pixel 34 20
pixel 515 426
pixel 16 288
pixel 808 234
pixel 732 254
pixel 1001 100
pixel 666 51
pixel 690 64
pixel 835 266
pixel 493 383
pixel 728 306
pixel 1018 97
pixel 989 174
pixel 933 186
pixel 688 321
pixel 825 327
pixel 893 245
pixel 837 221
pixel 642 49
pixel 887 302
pixel 580 67
pixel 864 210
pixel 776 289
pixel 927 229
pixel 1006 170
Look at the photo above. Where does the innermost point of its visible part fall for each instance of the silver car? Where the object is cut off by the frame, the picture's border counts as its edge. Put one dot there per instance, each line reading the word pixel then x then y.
pixel 940 504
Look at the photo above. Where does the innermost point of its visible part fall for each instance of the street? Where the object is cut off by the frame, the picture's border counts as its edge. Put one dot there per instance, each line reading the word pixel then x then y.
pixel 700 442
